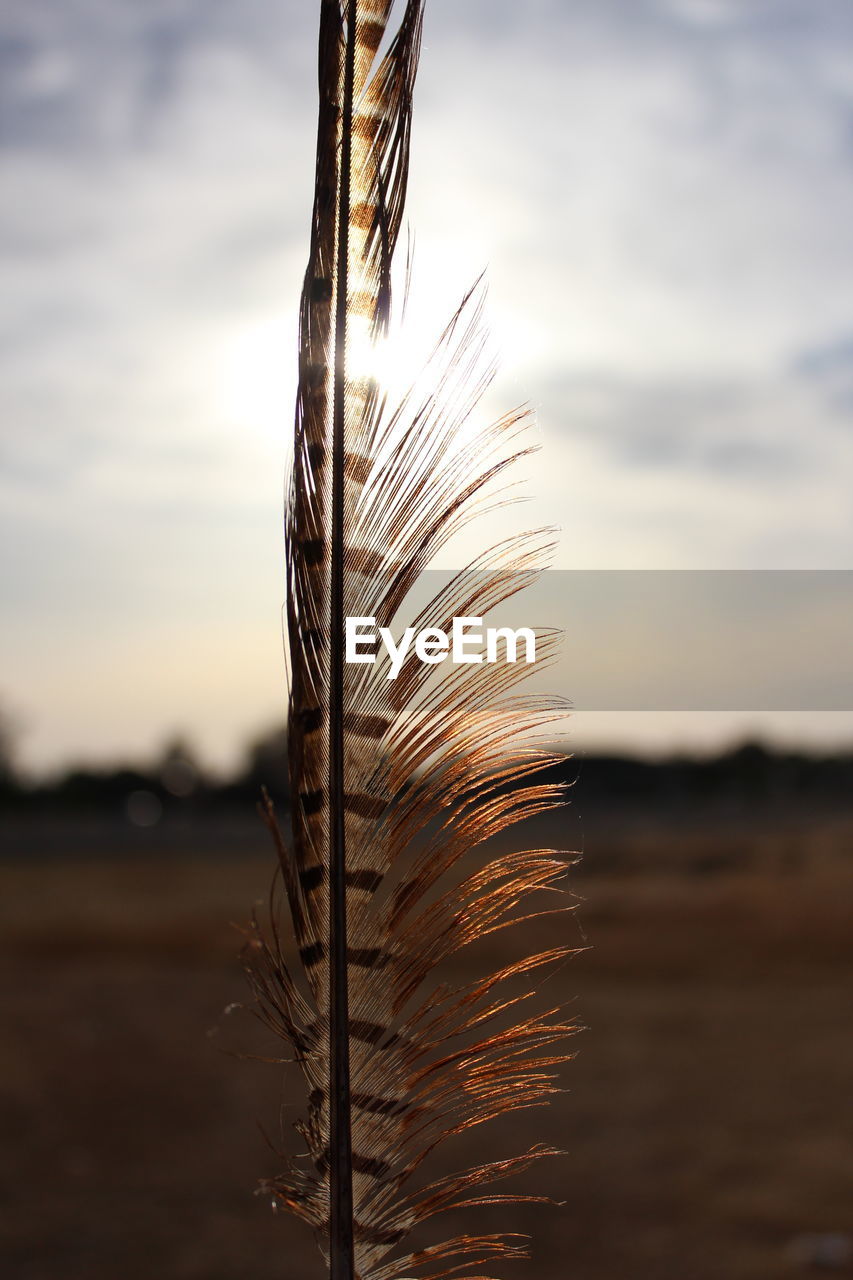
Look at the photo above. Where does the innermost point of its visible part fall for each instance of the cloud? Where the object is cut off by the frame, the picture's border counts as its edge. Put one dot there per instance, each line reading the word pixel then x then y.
pixel 656 193
pixel 662 192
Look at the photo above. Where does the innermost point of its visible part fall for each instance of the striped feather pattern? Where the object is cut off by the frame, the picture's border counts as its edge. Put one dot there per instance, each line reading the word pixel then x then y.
pixel 395 782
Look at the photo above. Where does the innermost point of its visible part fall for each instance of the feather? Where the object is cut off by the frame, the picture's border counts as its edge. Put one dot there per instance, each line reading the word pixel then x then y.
pixel 395 782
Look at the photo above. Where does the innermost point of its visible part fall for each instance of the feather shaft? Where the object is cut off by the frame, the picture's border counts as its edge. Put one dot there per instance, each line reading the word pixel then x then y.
pixel 340 1129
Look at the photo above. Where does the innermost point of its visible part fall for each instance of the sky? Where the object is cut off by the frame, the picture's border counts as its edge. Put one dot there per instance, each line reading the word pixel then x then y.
pixel 661 192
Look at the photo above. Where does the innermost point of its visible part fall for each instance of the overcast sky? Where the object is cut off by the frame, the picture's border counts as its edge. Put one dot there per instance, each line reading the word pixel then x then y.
pixel 661 190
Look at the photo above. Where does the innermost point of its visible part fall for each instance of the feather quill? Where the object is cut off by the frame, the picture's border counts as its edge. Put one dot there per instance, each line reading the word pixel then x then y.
pixel 393 783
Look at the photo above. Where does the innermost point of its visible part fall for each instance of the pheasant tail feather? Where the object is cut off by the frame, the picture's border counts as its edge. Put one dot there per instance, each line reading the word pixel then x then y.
pixel 406 775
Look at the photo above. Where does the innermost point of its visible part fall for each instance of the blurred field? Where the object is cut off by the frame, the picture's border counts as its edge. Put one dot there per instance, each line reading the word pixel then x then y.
pixel 709 1119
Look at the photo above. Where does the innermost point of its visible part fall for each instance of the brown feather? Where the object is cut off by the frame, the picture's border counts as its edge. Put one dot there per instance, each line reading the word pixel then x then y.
pixel 395 782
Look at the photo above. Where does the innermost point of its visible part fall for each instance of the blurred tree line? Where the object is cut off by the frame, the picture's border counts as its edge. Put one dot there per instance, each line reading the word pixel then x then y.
pixel 748 777
pixel 174 782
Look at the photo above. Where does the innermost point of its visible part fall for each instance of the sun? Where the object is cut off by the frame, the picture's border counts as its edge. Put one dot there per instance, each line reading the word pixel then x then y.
pixel 256 370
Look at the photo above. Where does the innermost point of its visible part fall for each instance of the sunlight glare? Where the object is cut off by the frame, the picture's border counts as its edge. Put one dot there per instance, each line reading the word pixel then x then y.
pixel 258 376
pixel 257 371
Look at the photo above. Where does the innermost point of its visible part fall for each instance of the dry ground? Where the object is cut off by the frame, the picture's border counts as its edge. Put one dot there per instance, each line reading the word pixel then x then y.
pixel 709 1119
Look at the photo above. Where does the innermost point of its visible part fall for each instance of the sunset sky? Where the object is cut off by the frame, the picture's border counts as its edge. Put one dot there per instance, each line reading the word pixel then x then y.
pixel 662 194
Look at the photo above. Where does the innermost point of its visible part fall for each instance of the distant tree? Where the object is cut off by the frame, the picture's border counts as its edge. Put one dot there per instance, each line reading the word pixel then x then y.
pixel 9 732
pixel 266 764
pixel 178 769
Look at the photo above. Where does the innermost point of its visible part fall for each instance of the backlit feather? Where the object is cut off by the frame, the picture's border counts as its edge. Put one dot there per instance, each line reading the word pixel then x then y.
pixel 395 782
